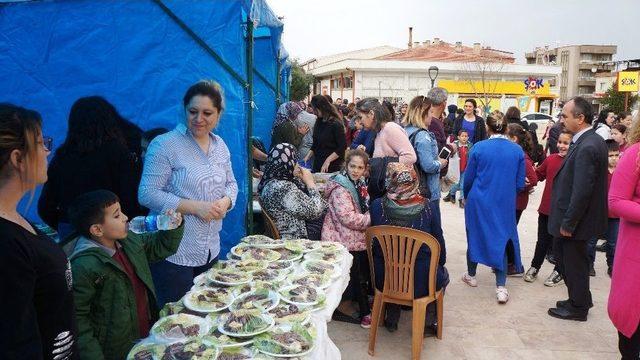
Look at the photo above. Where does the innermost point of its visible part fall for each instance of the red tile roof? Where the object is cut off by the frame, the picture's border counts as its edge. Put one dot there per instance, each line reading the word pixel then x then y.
pixel 444 51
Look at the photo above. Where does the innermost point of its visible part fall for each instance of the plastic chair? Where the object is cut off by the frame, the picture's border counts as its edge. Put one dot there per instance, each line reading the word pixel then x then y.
pixel 272 230
pixel 400 248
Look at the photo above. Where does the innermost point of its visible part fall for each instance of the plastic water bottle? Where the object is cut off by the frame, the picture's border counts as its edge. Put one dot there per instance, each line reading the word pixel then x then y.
pixel 143 224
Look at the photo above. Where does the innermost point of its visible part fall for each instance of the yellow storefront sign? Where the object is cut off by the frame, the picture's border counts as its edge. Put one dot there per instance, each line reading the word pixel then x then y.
pixel 493 87
pixel 628 81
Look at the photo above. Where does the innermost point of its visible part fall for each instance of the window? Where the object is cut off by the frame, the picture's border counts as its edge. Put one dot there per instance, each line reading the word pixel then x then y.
pixel 347 82
pixel 335 83
pixel 542 117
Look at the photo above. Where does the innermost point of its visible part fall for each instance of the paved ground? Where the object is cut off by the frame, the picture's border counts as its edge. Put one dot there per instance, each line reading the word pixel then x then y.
pixel 477 327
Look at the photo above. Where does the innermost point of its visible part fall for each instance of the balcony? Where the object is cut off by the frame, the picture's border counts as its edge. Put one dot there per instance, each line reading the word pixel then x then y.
pixel 587 81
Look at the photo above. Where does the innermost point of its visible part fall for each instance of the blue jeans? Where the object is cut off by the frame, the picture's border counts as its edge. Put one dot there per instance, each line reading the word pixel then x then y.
pixel 501 275
pixel 436 229
pixel 173 281
pixel 458 187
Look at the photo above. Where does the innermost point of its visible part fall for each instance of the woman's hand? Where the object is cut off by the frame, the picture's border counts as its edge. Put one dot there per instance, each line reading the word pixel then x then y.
pixel 325 167
pixel 205 210
pixel 304 129
pixel 361 147
pixel 443 163
pixel 176 217
pixel 307 177
pixel 221 207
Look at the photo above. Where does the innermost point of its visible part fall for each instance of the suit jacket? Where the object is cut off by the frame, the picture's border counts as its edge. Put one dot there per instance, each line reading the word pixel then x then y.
pixel 579 197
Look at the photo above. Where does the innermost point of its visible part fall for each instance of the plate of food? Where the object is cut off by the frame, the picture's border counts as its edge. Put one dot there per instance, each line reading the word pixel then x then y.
pixel 301 295
pixel 305 244
pixel 237 353
pixel 229 277
pixel 321 268
pixel 282 265
pixel 146 350
pixel 254 253
pixel 249 265
pixel 208 300
pixel 177 308
pixel 194 349
pixel 331 245
pixel 286 313
pixel 253 286
pixel 260 299
pixel 180 326
pixel 222 340
pixel 311 279
pixel 286 341
pixel 244 323
pixel 269 275
pixel 288 254
pixel 332 256
pixel 262 241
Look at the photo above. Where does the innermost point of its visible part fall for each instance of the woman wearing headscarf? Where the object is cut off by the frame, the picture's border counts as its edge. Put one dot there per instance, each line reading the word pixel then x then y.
pixel 404 206
pixel 289 194
pixel 285 129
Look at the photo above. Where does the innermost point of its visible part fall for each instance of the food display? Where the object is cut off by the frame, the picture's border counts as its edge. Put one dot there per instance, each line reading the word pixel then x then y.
pixel 286 340
pixel 180 326
pixel 290 313
pixel 229 277
pixel 234 311
pixel 261 299
pixel 253 253
pixel 320 267
pixel 208 300
pixel 310 279
pixel 244 323
pixel 262 241
pixel 303 295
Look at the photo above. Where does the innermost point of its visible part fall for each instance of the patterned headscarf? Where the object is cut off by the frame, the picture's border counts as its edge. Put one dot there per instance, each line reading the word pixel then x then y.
pixel 288 111
pixel 402 184
pixel 280 164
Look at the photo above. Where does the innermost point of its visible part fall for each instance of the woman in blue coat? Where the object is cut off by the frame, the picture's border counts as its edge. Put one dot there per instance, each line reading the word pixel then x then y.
pixel 494 174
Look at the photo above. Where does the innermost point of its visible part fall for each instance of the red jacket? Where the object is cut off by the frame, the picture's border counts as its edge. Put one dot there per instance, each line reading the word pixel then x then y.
pixel 548 170
pixel 522 199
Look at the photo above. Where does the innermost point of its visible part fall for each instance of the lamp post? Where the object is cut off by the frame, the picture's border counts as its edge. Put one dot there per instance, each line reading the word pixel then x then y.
pixel 433 75
pixel 379 90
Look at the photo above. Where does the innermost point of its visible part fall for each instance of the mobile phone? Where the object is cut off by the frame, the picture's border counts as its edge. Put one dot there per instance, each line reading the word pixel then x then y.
pixel 444 153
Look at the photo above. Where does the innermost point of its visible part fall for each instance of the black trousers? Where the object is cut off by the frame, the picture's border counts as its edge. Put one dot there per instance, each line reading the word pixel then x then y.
pixel 573 262
pixel 629 347
pixel 544 243
pixel 358 288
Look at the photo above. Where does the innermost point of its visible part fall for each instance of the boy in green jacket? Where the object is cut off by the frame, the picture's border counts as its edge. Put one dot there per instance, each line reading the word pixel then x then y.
pixel 114 296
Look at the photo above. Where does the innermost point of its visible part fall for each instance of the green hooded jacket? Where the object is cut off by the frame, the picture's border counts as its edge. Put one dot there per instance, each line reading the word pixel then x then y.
pixel 104 298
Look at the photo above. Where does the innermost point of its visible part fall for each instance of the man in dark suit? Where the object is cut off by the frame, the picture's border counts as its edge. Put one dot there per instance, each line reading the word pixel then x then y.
pixel 578 207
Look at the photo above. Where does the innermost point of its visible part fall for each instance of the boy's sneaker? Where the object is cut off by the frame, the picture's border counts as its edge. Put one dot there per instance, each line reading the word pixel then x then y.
pixel 502 295
pixel 365 323
pixel 531 275
pixel 447 198
pixel 512 271
pixel 469 280
pixel 554 279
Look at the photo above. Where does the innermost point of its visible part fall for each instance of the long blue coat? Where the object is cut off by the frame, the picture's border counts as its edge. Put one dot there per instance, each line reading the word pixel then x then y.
pixel 495 173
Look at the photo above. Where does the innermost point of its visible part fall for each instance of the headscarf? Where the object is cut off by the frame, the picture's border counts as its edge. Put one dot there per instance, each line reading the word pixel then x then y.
pixel 402 184
pixel 403 202
pixel 360 187
pixel 280 164
pixel 288 111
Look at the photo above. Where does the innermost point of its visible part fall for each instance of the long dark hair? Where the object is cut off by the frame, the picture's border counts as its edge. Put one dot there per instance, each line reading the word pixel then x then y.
pixel 93 122
pixel 523 137
pixel 381 114
pixel 19 130
pixel 328 110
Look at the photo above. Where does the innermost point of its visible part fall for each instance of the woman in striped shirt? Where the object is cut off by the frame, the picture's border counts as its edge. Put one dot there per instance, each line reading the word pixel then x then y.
pixel 188 170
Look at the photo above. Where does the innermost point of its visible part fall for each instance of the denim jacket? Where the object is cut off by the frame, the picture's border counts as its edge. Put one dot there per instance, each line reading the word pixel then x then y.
pixel 426 149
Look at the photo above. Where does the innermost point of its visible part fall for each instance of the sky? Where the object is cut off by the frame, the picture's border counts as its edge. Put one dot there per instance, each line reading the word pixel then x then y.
pixel 317 28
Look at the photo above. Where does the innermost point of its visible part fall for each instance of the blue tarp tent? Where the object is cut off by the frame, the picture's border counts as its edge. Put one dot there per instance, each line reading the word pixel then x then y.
pixel 142 55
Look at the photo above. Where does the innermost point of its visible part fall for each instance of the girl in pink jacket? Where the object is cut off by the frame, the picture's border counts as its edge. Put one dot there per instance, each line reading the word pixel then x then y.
pixel 345 222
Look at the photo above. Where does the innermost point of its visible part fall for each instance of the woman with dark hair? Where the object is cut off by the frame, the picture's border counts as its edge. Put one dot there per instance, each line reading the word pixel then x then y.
pixel 188 170
pixel 403 205
pixel 93 156
pixel 604 122
pixel 495 173
pixel 36 284
pixel 520 136
pixel 329 139
pixel 472 123
pixel 289 194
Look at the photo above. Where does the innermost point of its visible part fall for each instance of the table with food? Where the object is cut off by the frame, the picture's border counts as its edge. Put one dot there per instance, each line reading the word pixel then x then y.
pixel 271 299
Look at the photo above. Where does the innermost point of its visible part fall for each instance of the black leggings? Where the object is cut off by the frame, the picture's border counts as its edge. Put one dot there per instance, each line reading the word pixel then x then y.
pixel 358 288
pixel 629 347
pixel 544 243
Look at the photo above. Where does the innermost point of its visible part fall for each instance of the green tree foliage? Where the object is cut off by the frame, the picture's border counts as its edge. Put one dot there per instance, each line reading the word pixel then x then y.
pixel 613 100
pixel 300 82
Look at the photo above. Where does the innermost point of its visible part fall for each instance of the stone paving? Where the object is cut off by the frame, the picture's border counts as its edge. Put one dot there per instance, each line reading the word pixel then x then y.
pixel 477 327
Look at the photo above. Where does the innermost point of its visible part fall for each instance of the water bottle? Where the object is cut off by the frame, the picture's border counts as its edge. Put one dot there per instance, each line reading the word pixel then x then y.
pixel 143 224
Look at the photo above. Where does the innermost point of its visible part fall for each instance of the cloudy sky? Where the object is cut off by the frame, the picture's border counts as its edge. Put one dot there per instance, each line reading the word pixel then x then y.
pixel 316 28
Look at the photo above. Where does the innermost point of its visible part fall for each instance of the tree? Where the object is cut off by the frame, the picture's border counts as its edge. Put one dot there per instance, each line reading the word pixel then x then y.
pixel 483 74
pixel 300 82
pixel 613 100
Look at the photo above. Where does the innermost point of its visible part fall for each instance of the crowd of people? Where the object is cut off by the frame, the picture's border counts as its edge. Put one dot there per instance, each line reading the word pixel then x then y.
pixel 99 290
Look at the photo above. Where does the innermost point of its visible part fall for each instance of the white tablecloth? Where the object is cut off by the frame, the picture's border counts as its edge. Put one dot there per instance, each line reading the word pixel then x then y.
pixel 325 348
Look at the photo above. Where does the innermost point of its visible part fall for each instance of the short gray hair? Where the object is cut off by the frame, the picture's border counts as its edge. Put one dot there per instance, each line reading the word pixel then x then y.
pixel 437 95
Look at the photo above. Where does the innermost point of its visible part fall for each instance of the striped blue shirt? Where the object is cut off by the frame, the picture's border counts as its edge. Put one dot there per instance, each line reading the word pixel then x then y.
pixel 176 168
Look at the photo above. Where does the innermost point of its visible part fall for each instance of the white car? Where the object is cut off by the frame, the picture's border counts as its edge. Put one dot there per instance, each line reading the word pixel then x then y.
pixel 540 119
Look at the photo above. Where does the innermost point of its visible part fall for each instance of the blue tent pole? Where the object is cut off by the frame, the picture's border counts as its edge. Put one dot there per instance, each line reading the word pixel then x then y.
pixel 278 70
pixel 249 124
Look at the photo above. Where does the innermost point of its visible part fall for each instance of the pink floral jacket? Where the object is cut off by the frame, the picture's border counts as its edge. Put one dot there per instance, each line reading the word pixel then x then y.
pixel 344 222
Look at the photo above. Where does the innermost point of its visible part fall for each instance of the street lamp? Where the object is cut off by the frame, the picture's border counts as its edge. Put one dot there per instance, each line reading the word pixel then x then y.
pixel 433 74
